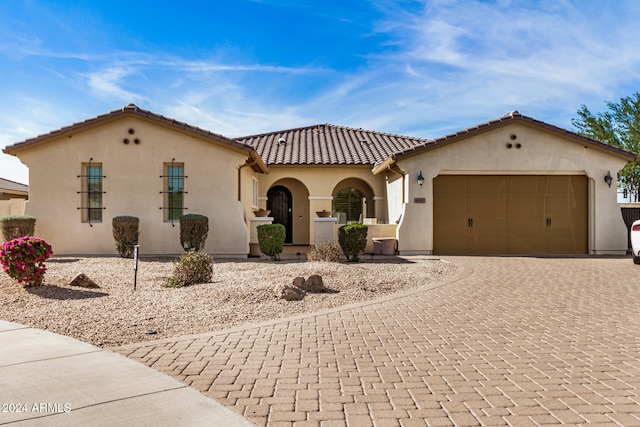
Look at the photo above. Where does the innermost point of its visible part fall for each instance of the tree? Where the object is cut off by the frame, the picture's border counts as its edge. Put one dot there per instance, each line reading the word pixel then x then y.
pixel 619 127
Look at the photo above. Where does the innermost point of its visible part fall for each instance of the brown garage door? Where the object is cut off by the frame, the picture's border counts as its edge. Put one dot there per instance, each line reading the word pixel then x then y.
pixel 502 214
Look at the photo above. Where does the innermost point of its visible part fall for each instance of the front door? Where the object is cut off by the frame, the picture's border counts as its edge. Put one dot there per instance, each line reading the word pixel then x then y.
pixel 279 202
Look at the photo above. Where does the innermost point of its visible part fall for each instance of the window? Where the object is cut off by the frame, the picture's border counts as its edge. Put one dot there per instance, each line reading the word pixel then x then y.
pixel 173 191
pixel 348 205
pixel 91 204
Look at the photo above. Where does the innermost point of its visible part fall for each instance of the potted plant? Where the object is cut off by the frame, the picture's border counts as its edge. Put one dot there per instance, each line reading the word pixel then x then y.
pixel 324 213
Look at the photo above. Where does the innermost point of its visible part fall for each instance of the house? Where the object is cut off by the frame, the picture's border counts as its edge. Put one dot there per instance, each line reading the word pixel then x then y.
pixel 13 196
pixel 133 162
pixel 511 185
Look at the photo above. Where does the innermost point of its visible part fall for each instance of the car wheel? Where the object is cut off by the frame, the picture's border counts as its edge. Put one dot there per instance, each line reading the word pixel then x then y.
pixel 636 259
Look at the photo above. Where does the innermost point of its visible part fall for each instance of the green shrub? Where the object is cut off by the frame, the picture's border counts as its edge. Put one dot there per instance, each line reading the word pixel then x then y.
pixel 194 229
pixel 125 233
pixel 353 240
pixel 192 267
pixel 271 239
pixel 17 226
pixel 325 252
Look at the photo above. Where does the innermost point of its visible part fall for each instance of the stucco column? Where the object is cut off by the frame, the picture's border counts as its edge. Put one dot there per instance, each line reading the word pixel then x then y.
pixel 316 204
pixel 380 207
pixel 325 230
pixel 254 222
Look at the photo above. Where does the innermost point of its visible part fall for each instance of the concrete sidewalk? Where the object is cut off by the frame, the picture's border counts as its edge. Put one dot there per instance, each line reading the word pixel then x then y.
pixel 53 380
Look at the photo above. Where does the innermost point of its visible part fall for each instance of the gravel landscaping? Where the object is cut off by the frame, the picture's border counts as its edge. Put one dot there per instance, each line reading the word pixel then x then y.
pixel 241 292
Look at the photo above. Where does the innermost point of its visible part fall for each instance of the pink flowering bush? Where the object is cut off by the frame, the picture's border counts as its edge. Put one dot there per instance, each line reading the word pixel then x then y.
pixel 23 259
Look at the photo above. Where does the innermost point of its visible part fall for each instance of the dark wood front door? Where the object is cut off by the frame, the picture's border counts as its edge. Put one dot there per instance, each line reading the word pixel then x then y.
pixel 279 202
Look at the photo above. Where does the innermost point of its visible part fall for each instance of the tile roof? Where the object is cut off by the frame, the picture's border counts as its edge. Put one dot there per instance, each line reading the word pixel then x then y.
pixel 327 144
pixel 512 116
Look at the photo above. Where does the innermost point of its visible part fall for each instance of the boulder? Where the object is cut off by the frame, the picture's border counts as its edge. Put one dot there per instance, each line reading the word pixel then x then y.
pixel 288 292
pixel 314 284
pixel 298 282
pixel 83 281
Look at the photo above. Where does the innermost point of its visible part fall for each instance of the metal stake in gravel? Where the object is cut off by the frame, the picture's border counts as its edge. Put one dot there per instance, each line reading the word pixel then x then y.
pixel 135 266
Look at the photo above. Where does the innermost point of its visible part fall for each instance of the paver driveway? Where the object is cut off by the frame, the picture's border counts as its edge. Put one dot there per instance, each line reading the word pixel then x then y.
pixel 512 341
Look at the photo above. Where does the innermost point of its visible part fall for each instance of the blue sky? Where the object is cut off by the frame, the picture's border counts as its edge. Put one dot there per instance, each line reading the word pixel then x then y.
pixel 238 67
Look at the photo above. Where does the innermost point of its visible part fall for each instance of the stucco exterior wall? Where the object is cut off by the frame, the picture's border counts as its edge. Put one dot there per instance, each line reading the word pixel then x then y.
pixel 541 153
pixel 312 188
pixel 133 186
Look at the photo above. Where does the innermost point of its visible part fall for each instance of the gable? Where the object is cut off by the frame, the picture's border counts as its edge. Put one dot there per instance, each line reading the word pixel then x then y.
pixel 113 128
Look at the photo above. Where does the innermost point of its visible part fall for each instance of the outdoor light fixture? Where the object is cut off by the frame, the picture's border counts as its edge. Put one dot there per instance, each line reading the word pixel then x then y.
pixel 608 178
pixel 420 179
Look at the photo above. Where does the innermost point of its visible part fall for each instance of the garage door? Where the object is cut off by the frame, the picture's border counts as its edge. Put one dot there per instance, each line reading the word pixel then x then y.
pixel 505 214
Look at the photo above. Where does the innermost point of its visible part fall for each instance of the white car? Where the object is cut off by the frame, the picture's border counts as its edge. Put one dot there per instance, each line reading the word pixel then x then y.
pixel 635 241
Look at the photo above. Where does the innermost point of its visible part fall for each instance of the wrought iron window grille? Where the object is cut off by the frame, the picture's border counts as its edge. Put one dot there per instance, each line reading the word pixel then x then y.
pixel 175 192
pixel 91 191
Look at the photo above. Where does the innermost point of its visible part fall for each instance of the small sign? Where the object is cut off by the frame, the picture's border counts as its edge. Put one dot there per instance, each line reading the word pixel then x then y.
pixel 135 257
pixel 419 200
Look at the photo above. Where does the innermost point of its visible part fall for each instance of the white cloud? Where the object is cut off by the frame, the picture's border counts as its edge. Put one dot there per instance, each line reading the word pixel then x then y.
pixel 107 84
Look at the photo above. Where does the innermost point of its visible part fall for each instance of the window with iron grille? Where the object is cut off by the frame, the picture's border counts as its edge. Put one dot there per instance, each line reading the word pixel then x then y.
pixel 91 192
pixel 173 191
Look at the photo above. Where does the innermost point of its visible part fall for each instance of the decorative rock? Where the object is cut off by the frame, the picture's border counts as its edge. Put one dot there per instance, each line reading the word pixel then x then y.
pixel 83 281
pixel 298 282
pixel 314 284
pixel 288 292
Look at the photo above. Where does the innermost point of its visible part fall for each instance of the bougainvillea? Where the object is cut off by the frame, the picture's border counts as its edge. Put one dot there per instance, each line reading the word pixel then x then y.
pixel 23 259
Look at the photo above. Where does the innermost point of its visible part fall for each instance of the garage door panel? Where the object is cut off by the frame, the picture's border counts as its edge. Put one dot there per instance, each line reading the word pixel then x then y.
pixel 456 184
pixel 487 205
pixel 488 184
pixel 527 235
pixel 526 184
pixel 511 214
pixel 488 234
pixel 451 204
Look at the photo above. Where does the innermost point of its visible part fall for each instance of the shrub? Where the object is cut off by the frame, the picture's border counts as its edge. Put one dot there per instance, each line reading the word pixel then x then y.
pixel 125 233
pixel 17 226
pixel 353 240
pixel 325 252
pixel 271 239
pixel 194 229
pixel 192 267
pixel 23 259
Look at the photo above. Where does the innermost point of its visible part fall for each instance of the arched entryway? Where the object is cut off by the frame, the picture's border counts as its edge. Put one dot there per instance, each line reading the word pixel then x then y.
pixel 280 203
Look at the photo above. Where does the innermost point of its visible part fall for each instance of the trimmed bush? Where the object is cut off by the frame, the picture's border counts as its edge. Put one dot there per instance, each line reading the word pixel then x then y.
pixel 271 239
pixel 325 252
pixel 125 233
pixel 17 226
pixel 194 229
pixel 353 240
pixel 23 259
pixel 192 268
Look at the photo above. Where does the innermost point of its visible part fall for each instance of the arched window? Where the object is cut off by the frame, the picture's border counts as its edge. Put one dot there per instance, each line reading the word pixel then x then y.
pixel 348 205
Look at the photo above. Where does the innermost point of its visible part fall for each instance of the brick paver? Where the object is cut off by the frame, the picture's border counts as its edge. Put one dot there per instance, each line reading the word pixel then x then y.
pixel 512 341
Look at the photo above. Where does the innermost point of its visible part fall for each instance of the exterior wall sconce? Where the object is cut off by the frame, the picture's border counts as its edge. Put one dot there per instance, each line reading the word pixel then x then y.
pixel 420 179
pixel 608 178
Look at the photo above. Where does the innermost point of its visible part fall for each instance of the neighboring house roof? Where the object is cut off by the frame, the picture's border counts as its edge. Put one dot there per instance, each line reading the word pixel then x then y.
pixel 327 144
pixel 514 116
pixel 135 110
pixel 7 186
